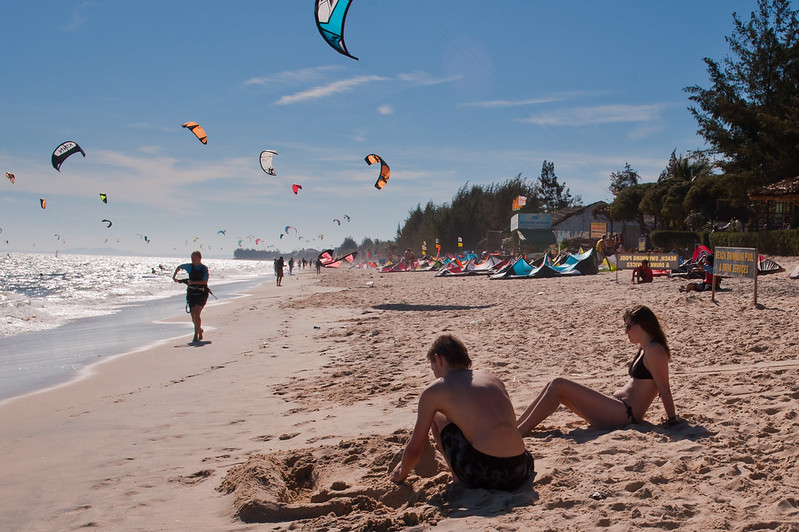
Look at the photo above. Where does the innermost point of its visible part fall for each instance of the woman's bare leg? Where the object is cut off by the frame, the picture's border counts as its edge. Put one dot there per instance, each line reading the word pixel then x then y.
pixel 597 408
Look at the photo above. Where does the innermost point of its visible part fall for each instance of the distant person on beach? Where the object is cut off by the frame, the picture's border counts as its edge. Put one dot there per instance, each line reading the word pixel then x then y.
pixel 291 266
pixel 196 290
pixel 649 376
pixel 704 268
pixel 478 435
pixel 643 273
pixel 279 265
pixel 318 265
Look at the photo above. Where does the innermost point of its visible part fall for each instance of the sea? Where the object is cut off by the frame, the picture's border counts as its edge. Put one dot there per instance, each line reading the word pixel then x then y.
pixel 60 314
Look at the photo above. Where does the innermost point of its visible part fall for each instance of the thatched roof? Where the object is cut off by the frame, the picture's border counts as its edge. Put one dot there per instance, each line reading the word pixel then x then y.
pixel 785 190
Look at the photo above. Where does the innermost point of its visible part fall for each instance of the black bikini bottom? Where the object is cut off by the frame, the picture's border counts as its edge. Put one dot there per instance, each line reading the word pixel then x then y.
pixel 629 409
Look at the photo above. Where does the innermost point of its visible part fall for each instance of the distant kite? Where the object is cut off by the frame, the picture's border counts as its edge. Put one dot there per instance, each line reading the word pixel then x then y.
pixel 337 221
pixel 198 131
pixel 330 15
pixel 109 223
pixel 290 227
pixel 103 197
pixel 43 203
pixel 223 232
pixel 385 171
pixel 11 177
pixel 296 188
pixel 63 151
pixel 347 217
pixel 266 161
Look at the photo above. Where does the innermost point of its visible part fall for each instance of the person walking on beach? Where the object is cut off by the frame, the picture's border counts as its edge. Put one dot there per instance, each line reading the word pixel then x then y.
pixel 196 290
pixel 279 264
pixel 291 266
pixel 478 435
pixel 649 376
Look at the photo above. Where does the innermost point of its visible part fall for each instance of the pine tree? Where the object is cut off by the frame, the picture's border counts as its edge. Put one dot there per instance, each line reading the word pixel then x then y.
pixel 552 194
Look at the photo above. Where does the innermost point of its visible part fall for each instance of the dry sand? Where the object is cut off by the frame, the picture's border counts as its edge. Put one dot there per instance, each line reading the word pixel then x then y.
pixel 298 407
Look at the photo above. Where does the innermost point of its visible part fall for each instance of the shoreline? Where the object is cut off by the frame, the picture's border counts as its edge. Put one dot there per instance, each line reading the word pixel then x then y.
pixel 127 326
pixel 325 373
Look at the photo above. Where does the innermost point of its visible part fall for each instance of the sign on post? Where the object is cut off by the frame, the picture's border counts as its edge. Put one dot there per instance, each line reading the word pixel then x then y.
pixel 735 262
pixel 657 261
pixel 598 229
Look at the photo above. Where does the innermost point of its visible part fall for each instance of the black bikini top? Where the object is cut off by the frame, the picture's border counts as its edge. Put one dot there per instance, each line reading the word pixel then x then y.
pixel 637 369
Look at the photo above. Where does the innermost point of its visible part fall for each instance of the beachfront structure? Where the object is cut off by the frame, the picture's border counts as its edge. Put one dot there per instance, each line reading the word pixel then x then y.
pixel 575 223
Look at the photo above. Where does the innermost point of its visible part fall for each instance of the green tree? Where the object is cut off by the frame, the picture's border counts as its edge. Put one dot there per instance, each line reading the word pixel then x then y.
pixel 623 179
pixel 627 204
pixel 750 113
pixel 552 194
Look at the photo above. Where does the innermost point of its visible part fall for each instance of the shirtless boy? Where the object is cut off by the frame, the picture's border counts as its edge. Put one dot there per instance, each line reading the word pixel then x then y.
pixel 472 421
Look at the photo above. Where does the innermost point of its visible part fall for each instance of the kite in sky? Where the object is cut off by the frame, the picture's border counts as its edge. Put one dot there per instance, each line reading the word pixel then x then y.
pixel 296 188
pixel 63 151
pixel 266 161
pixel 11 177
pixel 337 221
pixel 103 197
pixel 198 131
pixel 43 203
pixel 223 232
pixel 347 217
pixel 290 227
pixel 109 223
pixel 330 16
pixel 385 171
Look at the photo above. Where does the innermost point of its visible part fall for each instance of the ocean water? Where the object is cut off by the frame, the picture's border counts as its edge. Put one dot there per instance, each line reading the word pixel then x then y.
pixel 61 314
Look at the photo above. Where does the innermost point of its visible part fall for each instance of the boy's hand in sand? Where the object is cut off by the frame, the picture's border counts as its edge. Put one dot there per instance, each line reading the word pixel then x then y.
pixel 396 475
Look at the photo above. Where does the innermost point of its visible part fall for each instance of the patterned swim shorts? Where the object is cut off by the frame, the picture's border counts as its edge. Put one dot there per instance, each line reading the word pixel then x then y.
pixel 479 470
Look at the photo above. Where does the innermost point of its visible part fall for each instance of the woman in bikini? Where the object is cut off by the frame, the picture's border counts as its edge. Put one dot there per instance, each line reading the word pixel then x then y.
pixel 649 376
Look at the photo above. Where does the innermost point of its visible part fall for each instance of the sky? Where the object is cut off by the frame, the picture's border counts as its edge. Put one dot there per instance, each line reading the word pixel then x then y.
pixel 449 94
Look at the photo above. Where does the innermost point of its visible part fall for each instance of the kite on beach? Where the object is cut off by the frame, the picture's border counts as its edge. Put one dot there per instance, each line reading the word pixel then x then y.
pixel 63 151
pixel 198 131
pixel 266 161
pixel 330 16
pixel 385 171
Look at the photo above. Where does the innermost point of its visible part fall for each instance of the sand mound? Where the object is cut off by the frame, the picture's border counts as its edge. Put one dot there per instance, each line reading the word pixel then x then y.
pixel 345 483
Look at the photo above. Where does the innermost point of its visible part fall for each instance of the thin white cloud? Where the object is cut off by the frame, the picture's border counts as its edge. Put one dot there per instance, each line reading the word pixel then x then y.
pixel 385 110
pixel 324 91
pixel 292 76
pixel 420 78
pixel 559 97
pixel 602 114
pixel 512 103
pixel 78 16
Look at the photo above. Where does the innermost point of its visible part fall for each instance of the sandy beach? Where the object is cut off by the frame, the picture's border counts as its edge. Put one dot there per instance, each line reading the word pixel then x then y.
pixel 295 410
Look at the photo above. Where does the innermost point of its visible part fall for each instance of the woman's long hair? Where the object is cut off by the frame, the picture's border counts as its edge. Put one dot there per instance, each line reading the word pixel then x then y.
pixel 644 317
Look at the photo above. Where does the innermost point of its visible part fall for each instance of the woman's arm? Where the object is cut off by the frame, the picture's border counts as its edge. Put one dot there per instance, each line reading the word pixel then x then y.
pixel 657 362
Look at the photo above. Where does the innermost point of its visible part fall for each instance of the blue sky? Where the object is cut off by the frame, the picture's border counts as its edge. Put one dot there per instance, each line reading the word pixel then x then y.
pixel 446 92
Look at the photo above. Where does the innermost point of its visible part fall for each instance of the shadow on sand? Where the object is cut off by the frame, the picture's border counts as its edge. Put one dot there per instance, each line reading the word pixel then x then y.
pixel 425 308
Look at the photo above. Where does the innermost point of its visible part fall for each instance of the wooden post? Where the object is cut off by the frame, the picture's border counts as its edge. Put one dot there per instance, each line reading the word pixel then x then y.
pixel 756 273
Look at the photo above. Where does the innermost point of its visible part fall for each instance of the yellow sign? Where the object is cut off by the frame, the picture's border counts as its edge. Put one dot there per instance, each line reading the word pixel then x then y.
pixel 599 229
pixel 735 262
pixel 657 261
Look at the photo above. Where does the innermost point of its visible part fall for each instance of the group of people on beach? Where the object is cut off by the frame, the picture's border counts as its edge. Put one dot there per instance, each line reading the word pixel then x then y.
pixel 474 425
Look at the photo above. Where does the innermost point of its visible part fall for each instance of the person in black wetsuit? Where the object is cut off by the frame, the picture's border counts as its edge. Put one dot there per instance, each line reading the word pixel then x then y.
pixel 196 290
pixel 649 376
